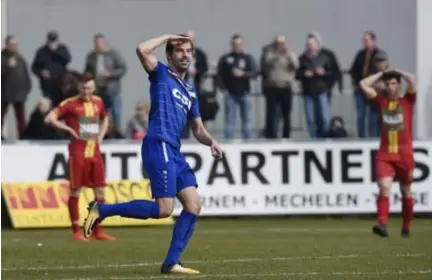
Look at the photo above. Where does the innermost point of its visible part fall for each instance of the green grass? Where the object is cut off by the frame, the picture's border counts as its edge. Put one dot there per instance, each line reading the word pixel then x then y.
pixel 228 249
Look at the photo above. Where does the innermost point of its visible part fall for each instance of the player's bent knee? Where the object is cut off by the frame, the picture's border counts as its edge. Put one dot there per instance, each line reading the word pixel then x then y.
pixel 190 200
pixel 166 207
pixel 193 207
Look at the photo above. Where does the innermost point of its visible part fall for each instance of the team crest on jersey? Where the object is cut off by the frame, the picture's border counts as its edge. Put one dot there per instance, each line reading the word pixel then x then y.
pixel 88 128
pixel 393 119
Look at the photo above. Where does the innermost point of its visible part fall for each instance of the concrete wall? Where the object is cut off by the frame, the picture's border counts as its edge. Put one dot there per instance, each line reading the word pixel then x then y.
pixel 127 22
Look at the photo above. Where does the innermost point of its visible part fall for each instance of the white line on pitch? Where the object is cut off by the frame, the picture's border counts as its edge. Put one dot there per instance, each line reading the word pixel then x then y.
pixel 287 230
pixel 259 275
pixel 84 267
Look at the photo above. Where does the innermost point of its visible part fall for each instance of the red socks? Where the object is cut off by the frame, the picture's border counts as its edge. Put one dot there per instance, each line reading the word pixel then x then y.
pixel 383 207
pixel 98 228
pixel 407 212
pixel 74 213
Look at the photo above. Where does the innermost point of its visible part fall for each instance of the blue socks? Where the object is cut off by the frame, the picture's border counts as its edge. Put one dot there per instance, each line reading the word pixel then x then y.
pixel 183 230
pixel 137 209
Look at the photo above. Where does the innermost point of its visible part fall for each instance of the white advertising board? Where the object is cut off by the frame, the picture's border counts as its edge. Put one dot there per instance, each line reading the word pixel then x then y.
pixel 254 178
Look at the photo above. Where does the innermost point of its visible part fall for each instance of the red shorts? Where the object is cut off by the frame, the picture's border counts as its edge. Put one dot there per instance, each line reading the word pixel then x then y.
pixel 86 172
pixel 400 170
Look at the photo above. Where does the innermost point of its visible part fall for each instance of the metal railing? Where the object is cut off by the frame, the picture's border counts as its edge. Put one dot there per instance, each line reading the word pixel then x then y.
pixel 342 104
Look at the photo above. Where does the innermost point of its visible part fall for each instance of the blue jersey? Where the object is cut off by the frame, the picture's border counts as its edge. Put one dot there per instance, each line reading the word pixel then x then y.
pixel 173 103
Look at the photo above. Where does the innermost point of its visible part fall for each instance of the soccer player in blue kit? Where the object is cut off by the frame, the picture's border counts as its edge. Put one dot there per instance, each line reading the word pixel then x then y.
pixel 173 103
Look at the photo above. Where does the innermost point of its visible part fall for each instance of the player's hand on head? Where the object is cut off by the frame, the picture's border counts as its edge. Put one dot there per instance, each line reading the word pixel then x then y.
pixel 216 150
pixel 178 39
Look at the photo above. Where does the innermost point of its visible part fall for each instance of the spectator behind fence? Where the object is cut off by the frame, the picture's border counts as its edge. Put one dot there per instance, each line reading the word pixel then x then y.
pixel 15 83
pixel 138 125
pixel 108 66
pixel 66 87
pixel 50 62
pixel 235 71
pixel 279 65
pixel 362 67
pixel 381 65
pixel 336 76
pixel 195 74
pixel 199 65
pixel 337 128
pixel 314 75
pixel 37 129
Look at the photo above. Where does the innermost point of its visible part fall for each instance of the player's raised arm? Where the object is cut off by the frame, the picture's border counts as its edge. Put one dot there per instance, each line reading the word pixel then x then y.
pixel 145 50
pixel 53 119
pixel 202 135
pixel 367 85
pixel 410 79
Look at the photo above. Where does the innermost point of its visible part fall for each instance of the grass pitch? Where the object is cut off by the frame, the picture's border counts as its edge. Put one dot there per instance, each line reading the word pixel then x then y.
pixel 228 249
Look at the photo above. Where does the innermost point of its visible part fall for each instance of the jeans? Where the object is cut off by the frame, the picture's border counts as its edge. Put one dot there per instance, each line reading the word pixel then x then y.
pixel 366 114
pixel 244 101
pixel 317 126
pixel 113 104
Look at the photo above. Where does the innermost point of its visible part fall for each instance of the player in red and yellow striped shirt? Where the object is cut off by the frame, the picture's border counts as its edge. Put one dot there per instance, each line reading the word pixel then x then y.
pixel 395 157
pixel 86 120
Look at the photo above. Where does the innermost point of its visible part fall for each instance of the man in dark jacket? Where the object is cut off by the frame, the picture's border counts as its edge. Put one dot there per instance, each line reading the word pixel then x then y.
pixel 15 83
pixel 361 67
pixel 336 77
pixel 50 63
pixel 235 71
pixel 199 67
pixel 196 72
pixel 314 74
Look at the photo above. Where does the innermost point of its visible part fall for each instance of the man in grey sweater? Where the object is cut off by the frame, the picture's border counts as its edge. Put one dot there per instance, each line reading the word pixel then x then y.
pixel 279 68
pixel 108 66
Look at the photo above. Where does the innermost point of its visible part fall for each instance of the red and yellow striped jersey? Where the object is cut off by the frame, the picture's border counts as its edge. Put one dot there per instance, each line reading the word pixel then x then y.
pixel 83 116
pixel 396 124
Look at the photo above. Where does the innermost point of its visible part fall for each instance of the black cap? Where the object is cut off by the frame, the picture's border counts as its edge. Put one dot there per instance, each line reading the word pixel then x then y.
pixel 52 35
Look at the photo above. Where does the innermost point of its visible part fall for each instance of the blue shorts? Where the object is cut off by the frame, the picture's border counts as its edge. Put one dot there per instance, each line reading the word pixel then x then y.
pixel 167 168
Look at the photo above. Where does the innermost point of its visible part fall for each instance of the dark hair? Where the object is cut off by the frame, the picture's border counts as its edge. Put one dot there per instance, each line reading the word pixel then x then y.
pixel 235 37
pixel 87 77
pixel 371 34
pixel 8 38
pixel 98 36
pixel 169 48
pixel 387 76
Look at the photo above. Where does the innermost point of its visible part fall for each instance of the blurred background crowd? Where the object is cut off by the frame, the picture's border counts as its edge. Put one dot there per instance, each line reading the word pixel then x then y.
pixel 316 69
pixel 281 93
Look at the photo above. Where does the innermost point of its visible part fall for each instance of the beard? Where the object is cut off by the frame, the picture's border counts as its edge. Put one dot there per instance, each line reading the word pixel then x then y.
pixel 183 64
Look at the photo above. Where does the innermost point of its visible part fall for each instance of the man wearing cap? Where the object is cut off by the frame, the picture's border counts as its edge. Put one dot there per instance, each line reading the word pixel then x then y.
pixel 50 63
